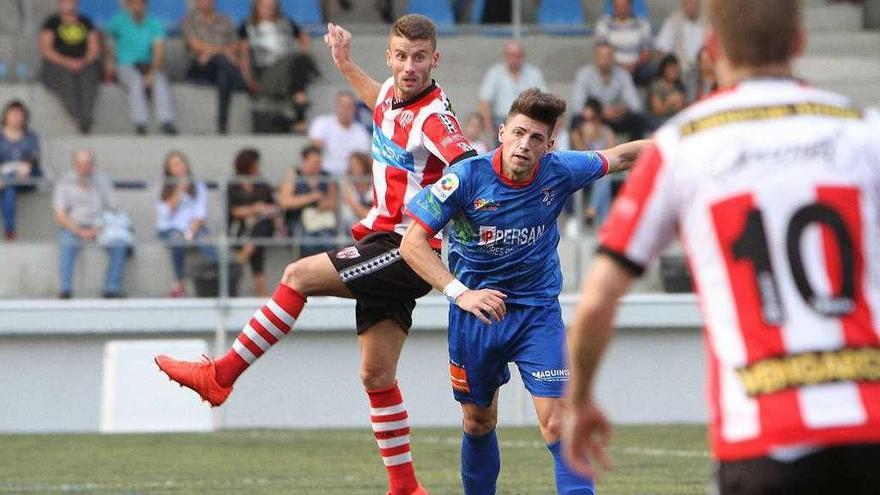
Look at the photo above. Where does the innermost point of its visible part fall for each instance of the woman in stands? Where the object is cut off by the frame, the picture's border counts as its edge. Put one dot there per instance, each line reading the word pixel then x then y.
pixel 357 188
pixel 703 79
pixel 252 214
pixel 19 160
pixel 667 95
pixel 181 213
pixel 277 68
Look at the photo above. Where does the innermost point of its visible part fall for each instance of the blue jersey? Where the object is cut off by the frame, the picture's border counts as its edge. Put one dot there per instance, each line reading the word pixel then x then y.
pixel 504 234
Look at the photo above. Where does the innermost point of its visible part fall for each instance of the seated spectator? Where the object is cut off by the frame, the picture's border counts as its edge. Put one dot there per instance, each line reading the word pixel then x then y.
pixel 213 44
pixel 593 134
pixel 504 82
pixel 276 67
pixel 137 60
pixel 667 95
pixel 339 135
pixel 639 8
pixel 357 188
pixel 181 212
pixel 702 79
pixel 682 34
pixel 19 161
pixel 613 87
pixel 69 47
pixel 475 132
pixel 81 201
pixel 309 197
pixel 252 214
pixel 631 39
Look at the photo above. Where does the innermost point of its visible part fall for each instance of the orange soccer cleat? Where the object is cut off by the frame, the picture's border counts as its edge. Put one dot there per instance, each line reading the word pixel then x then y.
pixel 197 376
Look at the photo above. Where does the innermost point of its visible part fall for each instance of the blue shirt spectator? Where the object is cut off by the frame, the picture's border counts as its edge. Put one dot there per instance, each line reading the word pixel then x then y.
pixel 19 161
pixel 135 38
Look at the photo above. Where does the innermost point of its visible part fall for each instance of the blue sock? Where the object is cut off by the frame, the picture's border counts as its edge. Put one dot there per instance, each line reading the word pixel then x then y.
pixel 480 463
pixel 567 481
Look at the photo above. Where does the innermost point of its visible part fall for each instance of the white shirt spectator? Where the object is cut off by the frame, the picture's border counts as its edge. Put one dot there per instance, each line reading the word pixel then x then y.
pixel 617 88
pixel 338 142
pixel 190 208
pixel 681 36
pixel 500 87
pixel 629 37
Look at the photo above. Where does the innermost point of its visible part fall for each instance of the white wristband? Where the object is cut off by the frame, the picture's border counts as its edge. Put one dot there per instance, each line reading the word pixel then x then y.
pixel 454 289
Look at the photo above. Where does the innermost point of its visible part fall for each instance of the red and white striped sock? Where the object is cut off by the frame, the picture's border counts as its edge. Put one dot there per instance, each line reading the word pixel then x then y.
pixel 391 427
pixel 266 327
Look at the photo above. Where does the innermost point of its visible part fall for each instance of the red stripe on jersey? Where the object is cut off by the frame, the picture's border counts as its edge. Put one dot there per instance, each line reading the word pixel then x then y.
pixel 267 335
pixel 395 193
pixel 444 131
pixel 627 210
pixel 251 346
pixel 433 170
pixel 275 320
pixel 761 339
pixel 858 326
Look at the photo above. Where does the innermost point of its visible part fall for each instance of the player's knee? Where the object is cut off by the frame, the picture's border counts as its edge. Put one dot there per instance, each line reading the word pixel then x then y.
pixel 376 377
pixel 479 424
pixel 551 428
pixel 294 276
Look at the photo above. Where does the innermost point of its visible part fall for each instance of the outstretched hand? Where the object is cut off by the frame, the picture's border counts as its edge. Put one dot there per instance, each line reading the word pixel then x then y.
pixel 585 437
pixel 484 304
pixel 339 42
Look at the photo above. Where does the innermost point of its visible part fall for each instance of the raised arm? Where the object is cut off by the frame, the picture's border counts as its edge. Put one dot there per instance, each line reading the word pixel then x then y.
pixel 623 156
pixel 339 42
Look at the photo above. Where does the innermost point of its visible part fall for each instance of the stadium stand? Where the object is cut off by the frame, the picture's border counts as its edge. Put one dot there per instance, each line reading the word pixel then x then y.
pixel 236 10
pixel 439 12
pixel 170 12
pixel 100 11
pixel 561 17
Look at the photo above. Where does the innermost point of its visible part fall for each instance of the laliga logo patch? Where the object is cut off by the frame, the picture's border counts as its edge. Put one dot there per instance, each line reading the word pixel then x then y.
pixel 444 187
pixel 405 118
pixel 348 253
pixel 549 196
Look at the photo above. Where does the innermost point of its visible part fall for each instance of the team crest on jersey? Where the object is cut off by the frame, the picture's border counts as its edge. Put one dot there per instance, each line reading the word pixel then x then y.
pixel 549 195
pixel 486 204
pixel 444 187
pixel 406 117
pixel 348 253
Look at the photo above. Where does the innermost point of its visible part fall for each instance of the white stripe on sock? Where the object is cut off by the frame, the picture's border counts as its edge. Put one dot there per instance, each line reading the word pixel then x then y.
pixel 243 352
pixel 280 313
pixel 384 411
pixel 398 459
pixel 392 425
pixel 256 337
pixel 268 325
pixel 393 442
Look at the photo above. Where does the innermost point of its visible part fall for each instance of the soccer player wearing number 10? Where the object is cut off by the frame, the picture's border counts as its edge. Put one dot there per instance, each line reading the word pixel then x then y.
pixel 773 188
pixel 505 206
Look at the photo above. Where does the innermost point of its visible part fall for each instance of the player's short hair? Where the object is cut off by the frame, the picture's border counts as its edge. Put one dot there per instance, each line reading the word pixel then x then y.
pixel 415 27
pixel 537 105
pixel 755 33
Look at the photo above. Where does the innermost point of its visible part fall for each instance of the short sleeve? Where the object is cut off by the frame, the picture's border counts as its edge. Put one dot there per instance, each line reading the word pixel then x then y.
pixel 434 206
pixel 157 30
pixel 318 130
pixel 643 218
pixel 584 167
pixel 443 137
pixel 112 27
pixel 51 23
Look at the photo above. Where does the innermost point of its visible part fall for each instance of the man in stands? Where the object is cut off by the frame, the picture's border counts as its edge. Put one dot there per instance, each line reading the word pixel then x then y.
pixel 772 186
pixel 631 39
pixel 682 34
pixel 338 135
pixel 416 136
pixel 137 57
pixel 504 82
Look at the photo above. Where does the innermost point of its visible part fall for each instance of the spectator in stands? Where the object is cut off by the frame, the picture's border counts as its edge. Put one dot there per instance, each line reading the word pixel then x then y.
pixel 593 134
pixel 339 135
pixel 475 132
pixel 613 87
pixel 137 60
pixel 70 48
pixel 309 197
pixel 667 95
pixel 504 82
pixel 631 39
pixel 212 41
pixel 357 188
pixel 682 34
pixel 19 161
pixel 277 67
pixel 702 80
pixel 81 199
pixel 181 213
pixel 252 214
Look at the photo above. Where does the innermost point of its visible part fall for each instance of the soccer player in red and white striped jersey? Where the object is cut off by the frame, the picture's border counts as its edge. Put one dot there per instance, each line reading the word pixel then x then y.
pixel 773 188
pixel 415 136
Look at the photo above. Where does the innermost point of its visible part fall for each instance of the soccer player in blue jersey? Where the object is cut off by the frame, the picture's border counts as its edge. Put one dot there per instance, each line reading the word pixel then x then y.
pixel 504 206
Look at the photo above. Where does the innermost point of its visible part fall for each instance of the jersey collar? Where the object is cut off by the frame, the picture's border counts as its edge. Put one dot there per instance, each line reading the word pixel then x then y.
pixel 496 166
pixel 395 104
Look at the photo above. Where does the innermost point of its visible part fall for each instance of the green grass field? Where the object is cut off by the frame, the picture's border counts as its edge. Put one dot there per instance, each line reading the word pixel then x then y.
pixel 655 460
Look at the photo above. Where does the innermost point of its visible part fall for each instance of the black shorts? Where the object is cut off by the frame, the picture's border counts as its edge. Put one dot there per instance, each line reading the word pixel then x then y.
pixel 846 469
pixel 384 286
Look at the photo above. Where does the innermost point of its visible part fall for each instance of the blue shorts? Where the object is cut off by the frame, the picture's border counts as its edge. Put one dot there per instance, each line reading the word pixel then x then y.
pixel 533 337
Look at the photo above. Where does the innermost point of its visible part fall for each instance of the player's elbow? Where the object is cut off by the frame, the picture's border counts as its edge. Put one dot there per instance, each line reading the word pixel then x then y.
pixel 413 241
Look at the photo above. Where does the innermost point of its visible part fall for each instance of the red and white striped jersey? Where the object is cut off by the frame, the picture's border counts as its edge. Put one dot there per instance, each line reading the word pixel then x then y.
pixel 413 142
pixel 774 190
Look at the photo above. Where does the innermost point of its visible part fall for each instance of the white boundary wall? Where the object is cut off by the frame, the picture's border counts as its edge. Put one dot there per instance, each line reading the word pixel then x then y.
pixel 51 357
